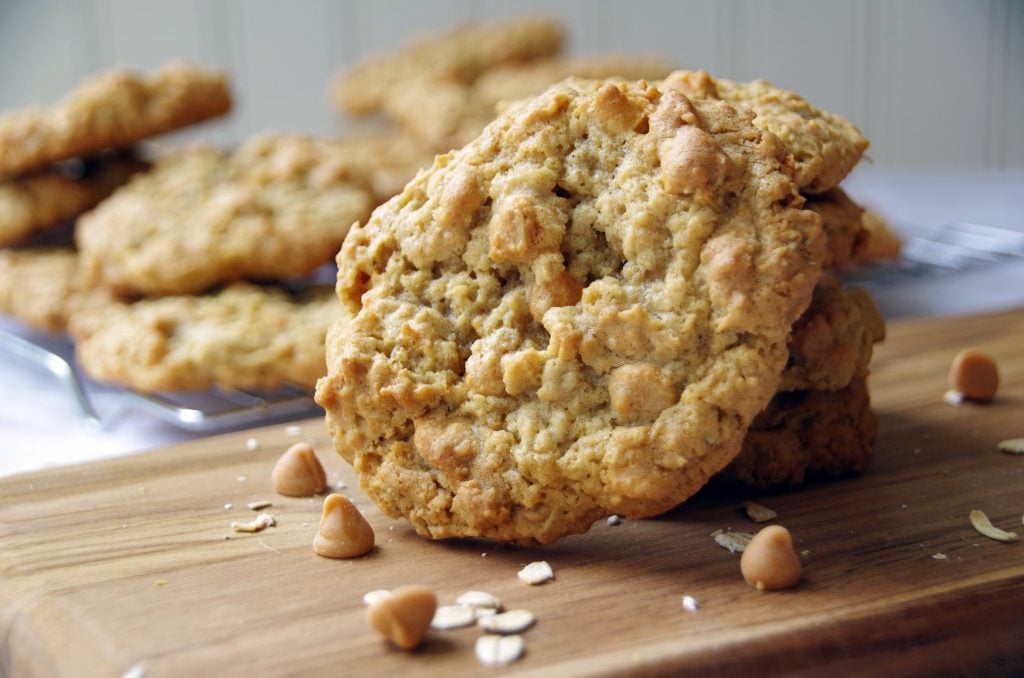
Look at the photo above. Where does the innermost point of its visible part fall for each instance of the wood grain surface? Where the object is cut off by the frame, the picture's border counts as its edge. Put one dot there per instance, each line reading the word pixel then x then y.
pixel 131 562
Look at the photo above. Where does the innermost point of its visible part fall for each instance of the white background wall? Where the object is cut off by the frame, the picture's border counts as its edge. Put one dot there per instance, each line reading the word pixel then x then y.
pixel 931 82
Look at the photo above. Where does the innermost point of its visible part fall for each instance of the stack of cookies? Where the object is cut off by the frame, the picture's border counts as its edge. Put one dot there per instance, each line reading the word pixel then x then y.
pixel 58 162
pixel 616 292
pixel 194 272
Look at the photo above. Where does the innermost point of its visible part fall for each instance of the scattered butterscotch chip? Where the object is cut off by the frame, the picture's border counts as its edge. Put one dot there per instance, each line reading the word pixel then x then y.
pixel 513 621
pixel 452 617
pixel 492 650
pixel 404 616
pixel 985 527
pixel 298 473
pixel 759 513
pixel 371 597
pixel 257 524
pixel 734 542
pixel 770 562
pixel 536 573
pixel 344 532
pixel 975 375
pixel 1012 446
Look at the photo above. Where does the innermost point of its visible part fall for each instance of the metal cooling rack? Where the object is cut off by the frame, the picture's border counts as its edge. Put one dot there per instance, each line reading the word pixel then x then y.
pixel 957 246
pixel 214 410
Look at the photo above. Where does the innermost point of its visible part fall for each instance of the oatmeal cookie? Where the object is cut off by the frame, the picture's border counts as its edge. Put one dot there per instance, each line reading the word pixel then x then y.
pixel 40 201
pixel 243 336
pixel 110 110
pixel 577 314
pixel 460 56
pixel 805 433
pixel 832 342
pixel 40 287
pixel 384 162
pixel 277 207
pixel 883 243
pixel 845 226
pixel 825 146
pixel 447 114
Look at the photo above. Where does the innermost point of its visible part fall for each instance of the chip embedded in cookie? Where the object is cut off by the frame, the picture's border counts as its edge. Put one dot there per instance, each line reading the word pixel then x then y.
pixel 577 314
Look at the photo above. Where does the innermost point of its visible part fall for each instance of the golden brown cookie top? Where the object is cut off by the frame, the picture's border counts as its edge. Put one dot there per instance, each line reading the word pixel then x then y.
pixel 243 336
pixel 447 114
pixel 276 207
pixel 577 314
pixel 824 146
pixel 460 55
pixel 111 110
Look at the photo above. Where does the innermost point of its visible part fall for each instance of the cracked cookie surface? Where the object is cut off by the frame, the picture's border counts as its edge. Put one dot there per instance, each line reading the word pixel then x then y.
pixel 577 314
pixel 824 146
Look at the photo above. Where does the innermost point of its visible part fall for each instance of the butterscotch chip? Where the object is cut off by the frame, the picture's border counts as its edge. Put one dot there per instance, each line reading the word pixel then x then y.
pixel 299 473
pixel 277 207
pixel 824 146
pixel 344 532
pixel 433 317
pixel 41 287
pixel 770 562
pixel 37 202
pixel 404 616
pixel 975 375
pixel 461 55
pixel 111 110
pixel 243 336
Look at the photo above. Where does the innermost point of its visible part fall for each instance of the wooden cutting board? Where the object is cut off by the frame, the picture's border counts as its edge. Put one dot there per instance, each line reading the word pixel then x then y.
pixel 131 563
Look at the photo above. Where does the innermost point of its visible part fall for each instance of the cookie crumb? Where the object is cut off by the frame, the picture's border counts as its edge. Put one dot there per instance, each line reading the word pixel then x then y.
pixel 257 524
pixel 252 444
pixel 293 431
pixel 690 604
pixel 243 479
pixel 1012 446
pixel 734 542
pixel 985 527
pixel 492 650
pixel 161 582
pixel 371 597
pixel 614 520
pixel 536 573
pixel 513 621
pixel 759 513
pixel 954 398
pixel 452 617
pixel 257 505
pixel 228 507
pixel 340 485
pixel 940 556
pixel 479 599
